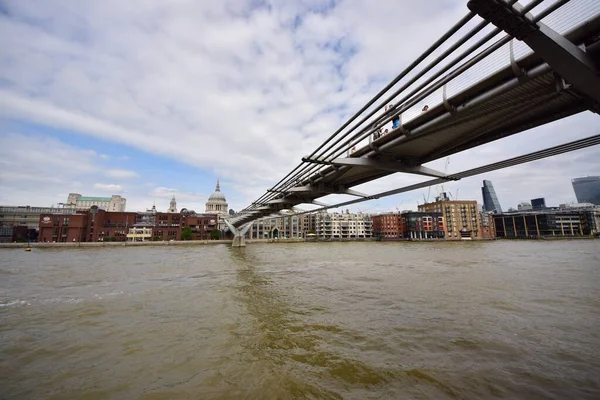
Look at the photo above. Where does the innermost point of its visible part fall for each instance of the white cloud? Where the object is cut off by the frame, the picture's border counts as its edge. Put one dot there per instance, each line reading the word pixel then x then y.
pixel 45 172
pixel 108 187
pixel 170 192
pixel 49 170
pixel 121 173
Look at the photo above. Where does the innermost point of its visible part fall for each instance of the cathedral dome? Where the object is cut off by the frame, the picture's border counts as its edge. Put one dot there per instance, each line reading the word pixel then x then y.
pixel 217 194
pixel 217 202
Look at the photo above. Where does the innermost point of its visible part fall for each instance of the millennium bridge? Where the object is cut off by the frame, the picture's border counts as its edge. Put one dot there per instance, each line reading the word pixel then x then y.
pixel 504 68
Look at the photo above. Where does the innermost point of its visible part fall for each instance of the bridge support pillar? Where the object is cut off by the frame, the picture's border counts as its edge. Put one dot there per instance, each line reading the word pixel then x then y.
pixel 239 239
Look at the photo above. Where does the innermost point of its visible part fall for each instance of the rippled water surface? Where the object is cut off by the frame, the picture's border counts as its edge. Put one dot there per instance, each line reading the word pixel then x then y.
pixel 307 320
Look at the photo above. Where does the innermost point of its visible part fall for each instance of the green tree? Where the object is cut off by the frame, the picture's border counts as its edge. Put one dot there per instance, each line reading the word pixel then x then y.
pixel 215 234
pixel 186 233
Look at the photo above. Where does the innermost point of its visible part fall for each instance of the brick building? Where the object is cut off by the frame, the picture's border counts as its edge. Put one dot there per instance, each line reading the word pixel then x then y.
pixel 462 218
pixel 64 227
pixel 409 225
pixel 97 225
pixel 26 215
pixel 112 226
pixel 388 226
pixel 201 225
pixel 167 226
pixel 9 234
pixel 423 225
pixel 488 230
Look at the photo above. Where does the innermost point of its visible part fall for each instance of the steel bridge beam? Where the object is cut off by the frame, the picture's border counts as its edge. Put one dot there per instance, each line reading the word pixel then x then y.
pixel 537 155
pixel 568 60
pixel 323 190
pixel 384 164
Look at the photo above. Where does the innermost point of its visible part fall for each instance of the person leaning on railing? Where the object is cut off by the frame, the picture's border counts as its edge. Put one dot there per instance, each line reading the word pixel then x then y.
pixel 376 132
pixel 396 121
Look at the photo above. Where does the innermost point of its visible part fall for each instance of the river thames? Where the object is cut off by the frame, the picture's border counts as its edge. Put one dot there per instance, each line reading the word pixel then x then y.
pixel 506 320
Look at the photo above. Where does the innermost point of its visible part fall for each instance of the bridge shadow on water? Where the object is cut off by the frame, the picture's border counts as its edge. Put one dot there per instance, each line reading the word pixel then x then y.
pixel 303 358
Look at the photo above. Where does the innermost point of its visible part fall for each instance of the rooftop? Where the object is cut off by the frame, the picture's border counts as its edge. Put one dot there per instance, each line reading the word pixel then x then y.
pixel 94 198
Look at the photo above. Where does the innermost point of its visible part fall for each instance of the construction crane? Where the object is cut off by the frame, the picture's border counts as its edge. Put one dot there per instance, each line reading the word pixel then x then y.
pixel 426 199
pixel 445 173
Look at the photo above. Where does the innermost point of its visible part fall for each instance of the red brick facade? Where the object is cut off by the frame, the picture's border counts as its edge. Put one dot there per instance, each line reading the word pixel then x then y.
pixel 488 229
pixel 110 226
pixel 388 226
pixel 88 226
pixel 63 227
pixel 201 225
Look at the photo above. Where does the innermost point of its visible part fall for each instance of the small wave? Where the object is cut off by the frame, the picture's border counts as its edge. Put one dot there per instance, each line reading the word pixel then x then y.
pixel 70 300
pixel 15 303
pixel 110 294
pixel 466 343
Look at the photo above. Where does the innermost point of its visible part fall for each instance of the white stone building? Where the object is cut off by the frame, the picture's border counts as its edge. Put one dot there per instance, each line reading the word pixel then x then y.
pixel 79 202
pixel 173 205
pixel 217 204
pixel 139 234
pixel 288 226
pixel 343 225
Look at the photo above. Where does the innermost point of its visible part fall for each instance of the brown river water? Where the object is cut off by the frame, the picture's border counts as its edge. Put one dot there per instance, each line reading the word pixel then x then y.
pixel 502 320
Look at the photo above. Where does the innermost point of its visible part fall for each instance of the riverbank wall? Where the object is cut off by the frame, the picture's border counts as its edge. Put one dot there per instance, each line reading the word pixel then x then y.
pixel 249 241
pixel 138 244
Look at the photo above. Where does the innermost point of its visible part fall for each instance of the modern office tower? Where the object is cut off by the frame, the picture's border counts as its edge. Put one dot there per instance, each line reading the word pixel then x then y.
pixel 587 189
pixel 539 203
pixel 490 200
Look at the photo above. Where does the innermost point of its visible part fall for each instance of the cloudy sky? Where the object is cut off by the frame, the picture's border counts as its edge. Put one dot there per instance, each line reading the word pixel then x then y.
pixel 150 99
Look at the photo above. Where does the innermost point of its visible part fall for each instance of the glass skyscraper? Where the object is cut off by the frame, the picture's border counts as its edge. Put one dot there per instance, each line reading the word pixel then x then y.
pixel 490 200
pixel 587 190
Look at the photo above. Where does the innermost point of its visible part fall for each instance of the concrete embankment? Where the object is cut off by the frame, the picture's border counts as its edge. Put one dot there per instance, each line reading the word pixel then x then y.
pixel 120 244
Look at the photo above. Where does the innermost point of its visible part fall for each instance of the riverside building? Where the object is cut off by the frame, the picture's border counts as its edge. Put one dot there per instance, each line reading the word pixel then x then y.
pixel 114 203
pixel 27 216
pixel 587 189
pixel 409 225
pixel 462 218
pixel 288 226
pixel 97 225
pixel 565 221
pixel 217 204
pixel 343 225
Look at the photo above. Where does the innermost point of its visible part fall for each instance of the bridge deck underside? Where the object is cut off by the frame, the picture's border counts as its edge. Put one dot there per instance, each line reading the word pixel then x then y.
pixel 527 106
pixel 499 106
